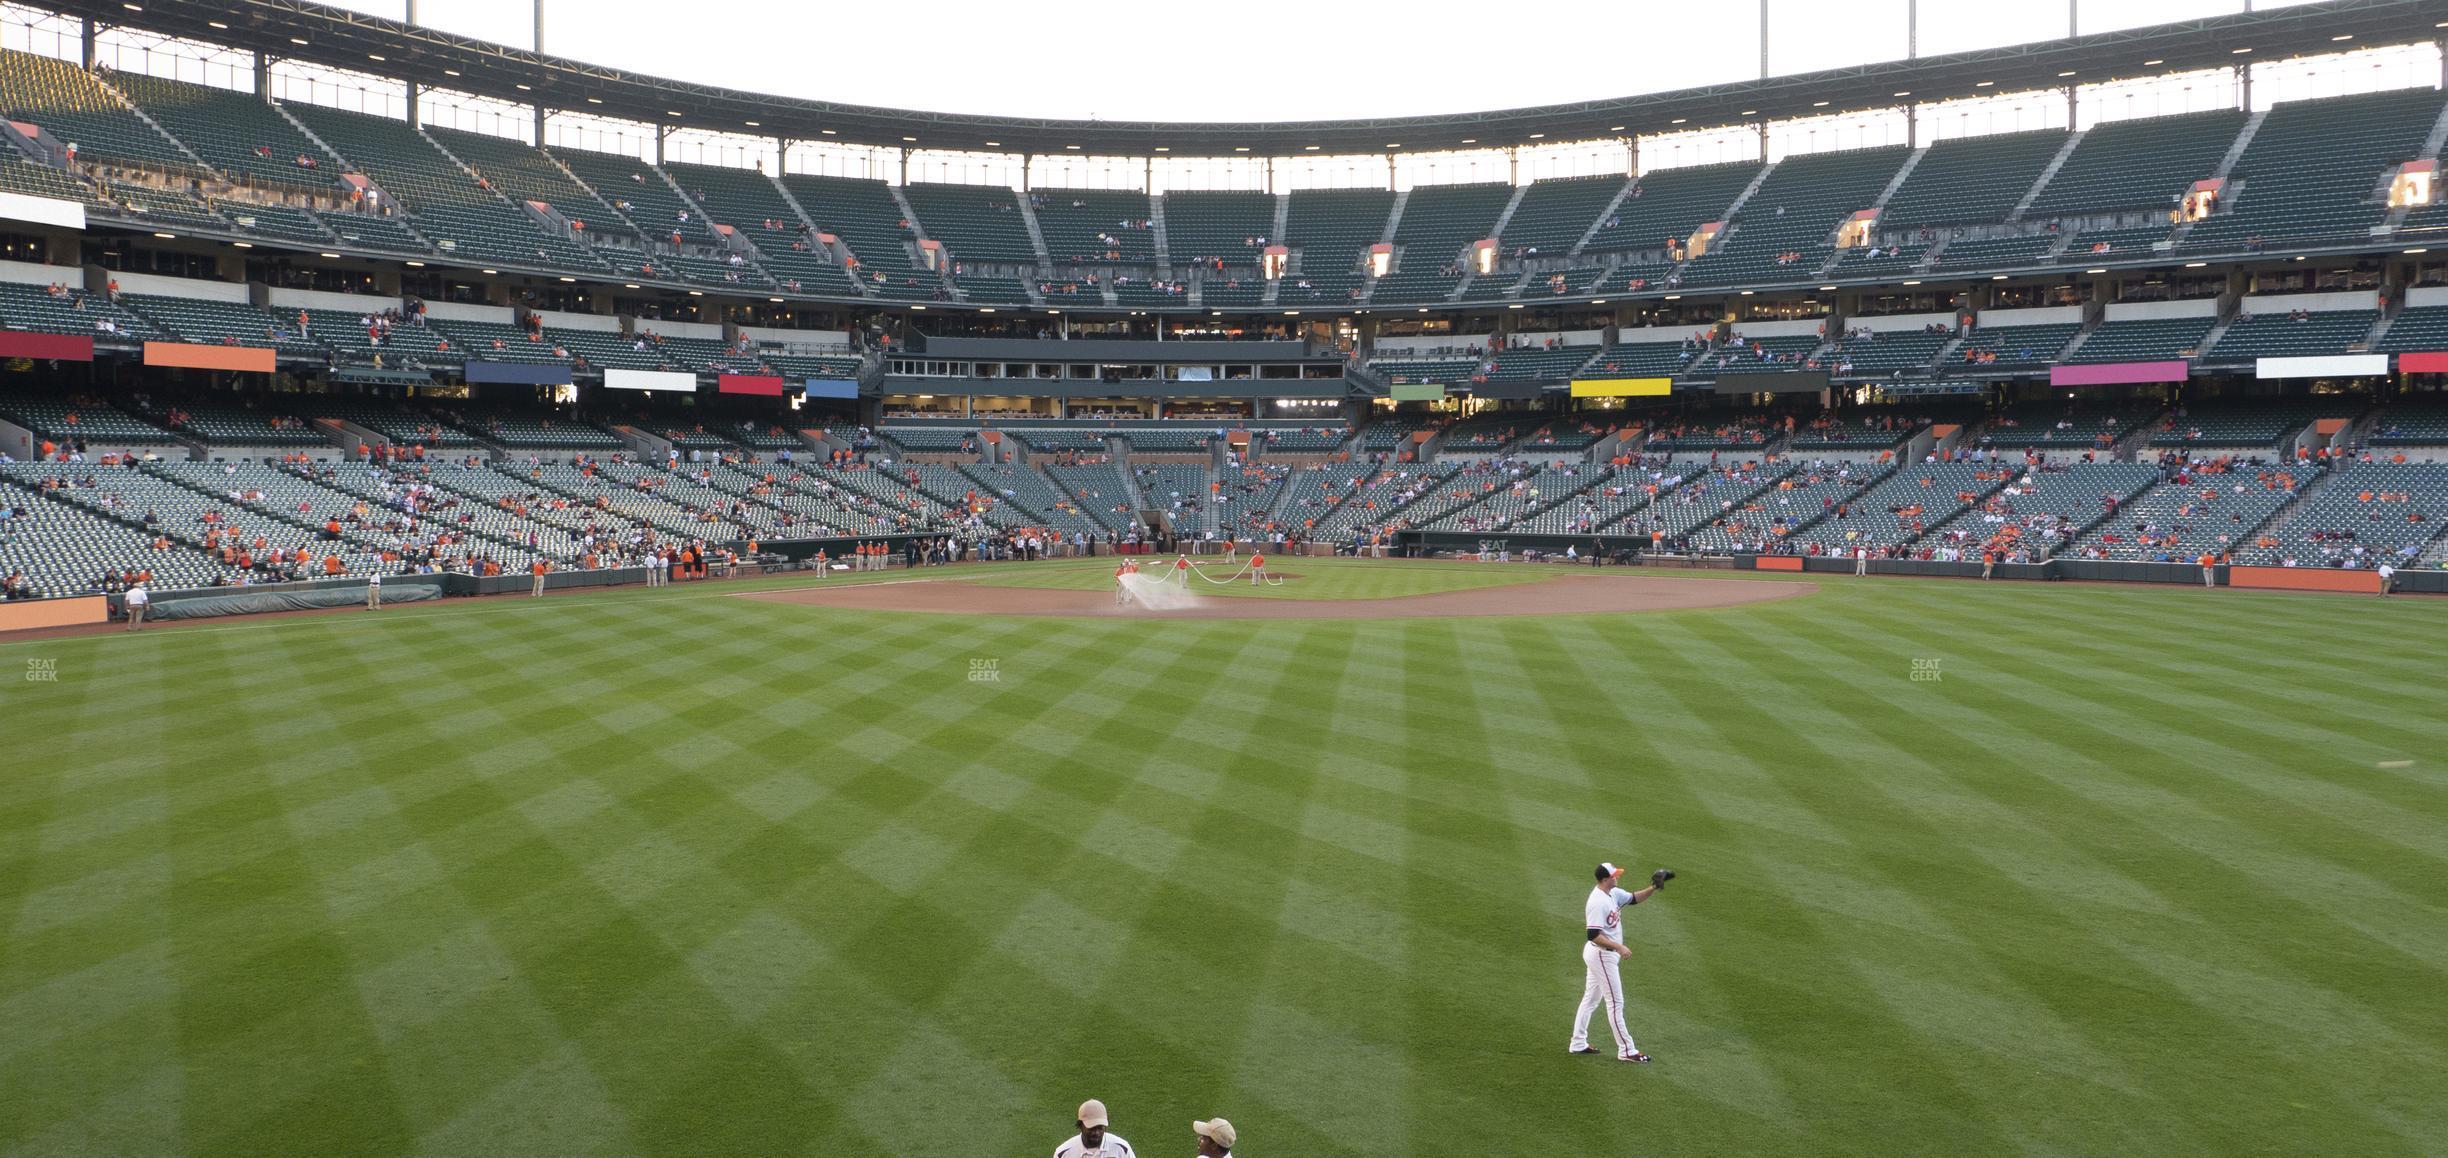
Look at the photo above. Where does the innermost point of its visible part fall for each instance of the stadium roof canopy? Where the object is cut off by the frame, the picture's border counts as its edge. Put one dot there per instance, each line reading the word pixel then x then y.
pixel 298 30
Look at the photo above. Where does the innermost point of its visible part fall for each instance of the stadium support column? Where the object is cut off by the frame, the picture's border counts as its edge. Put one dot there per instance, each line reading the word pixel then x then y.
pixel 1513 165
pixel 2244 85
pixel 263 79
pixel 662 134
pixel 85 42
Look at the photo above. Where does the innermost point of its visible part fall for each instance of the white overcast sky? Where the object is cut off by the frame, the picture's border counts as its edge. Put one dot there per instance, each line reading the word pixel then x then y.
pixel 1251 59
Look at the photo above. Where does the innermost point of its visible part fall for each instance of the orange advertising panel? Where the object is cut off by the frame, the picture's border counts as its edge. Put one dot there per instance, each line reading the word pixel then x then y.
pixel 2305 579
pixel 1778 563
pixel 248 358
pixel 33 613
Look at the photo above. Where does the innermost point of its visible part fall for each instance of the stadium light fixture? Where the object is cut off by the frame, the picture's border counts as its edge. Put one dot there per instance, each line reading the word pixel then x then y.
pixel 331 255
pixel 1997 277
pixel 1906 283
pixel 1983 83
pixel 1076 147
pixel 1536 136
pixel 1678 120
pixel 1240 148
pixel 1819 104
pixel 676 112
pixel 1291 313
pixel 571 280
pixel 1674 297
pixel 243 244
pixel 1053 311
pixel 594 100
pixel 417 264
pixel 1423 309
pixel 1748 293
pixel 1159 148
pixel 374 56
pixel 167 236
pixel 299 40
pixel 2419 250
pixel 2095 271
pixel 2238 51
pixel 696 293
pixel 2196 264
pixel 2068 72
pixel 981 309
pixel 1304 148
pixel 1393 144
pixel 827 132
pixel 1827 289
pixel 133 7
pixel 450 72
pixel 217 24
pixel 1518 305
pixel 2337 39
pixel 629 285
pixel 753 124
pixel 2153 63
pixel 1905 93
pixel 1750 112
pixel 493 271
pixel 525 88
pixel 1470 140
pixel 1598 302
pixel 921 308
pixel 1615 128
pixel 911 140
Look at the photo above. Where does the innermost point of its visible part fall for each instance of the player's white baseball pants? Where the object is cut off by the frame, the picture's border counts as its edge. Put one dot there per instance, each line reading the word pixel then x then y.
pixel 1605 985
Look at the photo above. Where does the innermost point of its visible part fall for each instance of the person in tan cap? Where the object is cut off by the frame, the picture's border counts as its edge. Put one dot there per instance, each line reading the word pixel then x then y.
pixel 1215 1137
pixel 1093 1140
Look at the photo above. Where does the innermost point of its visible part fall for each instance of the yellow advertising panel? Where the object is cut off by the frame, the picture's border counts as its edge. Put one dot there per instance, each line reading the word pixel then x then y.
pixel 1622 387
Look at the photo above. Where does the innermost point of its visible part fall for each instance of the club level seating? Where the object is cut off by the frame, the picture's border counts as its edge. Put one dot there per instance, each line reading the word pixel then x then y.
pixel 31 307
pixel 1879 260
pixel 1556 283
pixel 77 108
pixel 1486 434
pixel 1914 499
pixel 64 549
pixel 500 342
pixel 2368 513
pixel 234 132
pixel 2284 335
pixel 1389 433
pixel 1635 276
pixel 251 424
pixel 1709 435
pixel 1336 287
pixel 2204 512
pixel 398 424
pixel 163 208
pixel 1796 212
pixel 1997 252
pixel 1642 360
pixel 401 346
pixel 1141 291
pixel 1437 222
pixel 1554 214
pixel 1225 291
pixel 1055 438
pixel 99 426
pixel 1673 203
pixel 526 174
pixel 1881 352
pixel 2138 164
pixel 1330 228
pixel 2059 426
pixel 276 222
pixel 993 290
pixel 22 174
pixel 1543 364
pixel 930 439
pixel 1169 439
pixel 215 323
pixel 2144 340
pixel 1488 287
pixel 2311 173
pixel 1868 432
pixel 2015 347
pixel 2256 425
pixel 375 232
pixel 974 222
pixel 523 430
pixel 1749 353
pixel 810 365
pixel 2411 424
pixel 1764 520
pixel 1971 179
pixel 2114 244
pixel 2417 329
pixel 1096 226
pixel 1402 371
pixel 1204 224
pixel 1305 439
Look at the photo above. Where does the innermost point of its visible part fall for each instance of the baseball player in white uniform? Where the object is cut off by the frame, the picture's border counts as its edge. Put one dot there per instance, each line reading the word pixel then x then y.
pixel 1600 953
pixel 1093 1141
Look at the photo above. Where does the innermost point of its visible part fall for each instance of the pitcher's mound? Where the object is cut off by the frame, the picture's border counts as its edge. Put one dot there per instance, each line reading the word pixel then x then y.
pixel 1562 595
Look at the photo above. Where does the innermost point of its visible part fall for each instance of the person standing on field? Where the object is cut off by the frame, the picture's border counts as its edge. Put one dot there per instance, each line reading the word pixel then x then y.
pixel 1215 1138
pixel 137 599
pixel 374 591
pixel 2388 579
pixel 1093 1140
pixel 1600 954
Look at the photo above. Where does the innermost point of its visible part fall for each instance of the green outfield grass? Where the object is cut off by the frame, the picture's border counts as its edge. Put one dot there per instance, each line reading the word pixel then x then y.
pixel 2141 871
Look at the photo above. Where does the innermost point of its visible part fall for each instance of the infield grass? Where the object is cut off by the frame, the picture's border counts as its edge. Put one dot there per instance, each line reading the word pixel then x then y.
pixel 2140 871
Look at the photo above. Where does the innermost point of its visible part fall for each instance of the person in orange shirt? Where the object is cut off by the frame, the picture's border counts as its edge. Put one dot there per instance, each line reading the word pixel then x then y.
pixel 538 568
pixel 2209 566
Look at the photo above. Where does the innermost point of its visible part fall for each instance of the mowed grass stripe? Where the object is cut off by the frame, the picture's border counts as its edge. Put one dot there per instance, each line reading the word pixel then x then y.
pixel 652 870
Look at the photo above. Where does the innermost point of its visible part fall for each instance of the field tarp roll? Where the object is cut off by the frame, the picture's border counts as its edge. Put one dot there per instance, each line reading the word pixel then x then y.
pixel 257 600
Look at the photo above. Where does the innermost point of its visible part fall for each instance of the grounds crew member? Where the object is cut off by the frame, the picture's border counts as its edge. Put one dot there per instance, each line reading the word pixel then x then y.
pixel 1215 1138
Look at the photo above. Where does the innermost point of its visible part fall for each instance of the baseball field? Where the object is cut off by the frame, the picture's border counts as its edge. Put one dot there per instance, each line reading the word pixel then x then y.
pixel 732 869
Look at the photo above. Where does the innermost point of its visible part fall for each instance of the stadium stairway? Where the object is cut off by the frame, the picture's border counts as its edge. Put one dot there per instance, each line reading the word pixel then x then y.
pixel 1045 260
pixel 1599 222
pixel 2073 141
pixel 2431 146
pixel 2226 166
pixel 1164 247
pixel 1903 173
